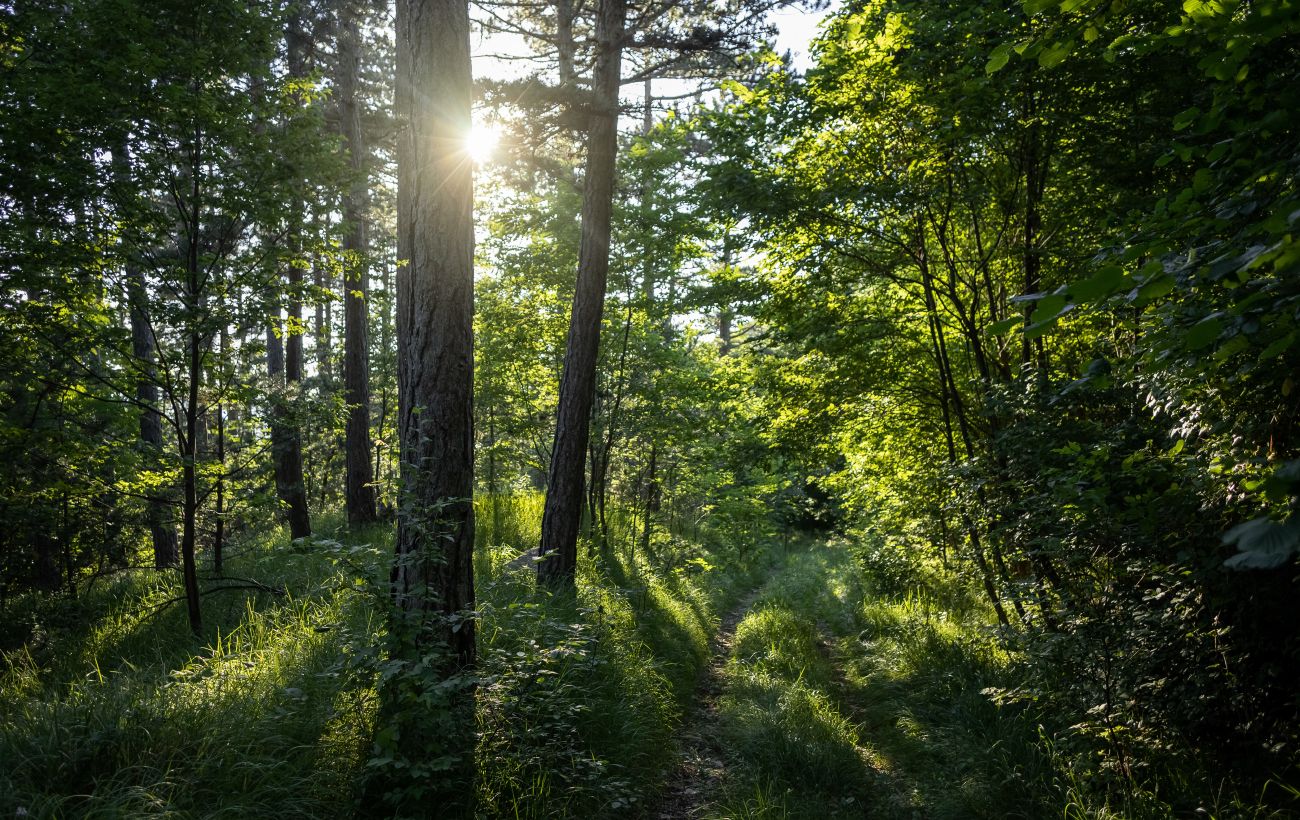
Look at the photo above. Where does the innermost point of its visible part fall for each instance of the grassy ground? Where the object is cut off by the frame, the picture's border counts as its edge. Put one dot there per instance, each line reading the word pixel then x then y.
pixel 842 702
pixel 110 708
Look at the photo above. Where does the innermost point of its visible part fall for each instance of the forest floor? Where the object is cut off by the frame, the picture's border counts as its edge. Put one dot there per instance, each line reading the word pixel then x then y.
pixel 820 693
pixel 826 698
pixel 703 767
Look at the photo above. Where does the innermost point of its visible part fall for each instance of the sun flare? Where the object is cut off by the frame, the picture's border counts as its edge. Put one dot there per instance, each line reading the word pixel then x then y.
pixel 482 142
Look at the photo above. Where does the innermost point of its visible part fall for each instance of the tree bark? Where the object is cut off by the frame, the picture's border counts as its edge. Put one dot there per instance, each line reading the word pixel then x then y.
pixel 286 442
pixel 565 44
pixel 359 473
pixel 194 345
pixel 562 514
pixel 162 527
pixel 286 436
pixel 1035 172
pixel 433 572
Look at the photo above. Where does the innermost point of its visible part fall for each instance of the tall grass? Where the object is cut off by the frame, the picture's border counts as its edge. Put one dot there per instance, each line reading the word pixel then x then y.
pixel 128 714
pixel 583 694
pixel 843 702
pixel 109 707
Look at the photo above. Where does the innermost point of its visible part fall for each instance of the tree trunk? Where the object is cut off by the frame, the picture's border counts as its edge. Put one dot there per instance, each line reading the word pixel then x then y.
pixel 565 44
pixel 194 343
pixel 322 325
pixel 359 482
pixel 162 528
pixel 433 574
pixel 562 514
pixel 1035 185
pixel 286 435
pixel 219 534
pixel 286 444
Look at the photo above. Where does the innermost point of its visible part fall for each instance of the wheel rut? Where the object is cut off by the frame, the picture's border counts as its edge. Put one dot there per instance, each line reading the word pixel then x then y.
pixel 702 768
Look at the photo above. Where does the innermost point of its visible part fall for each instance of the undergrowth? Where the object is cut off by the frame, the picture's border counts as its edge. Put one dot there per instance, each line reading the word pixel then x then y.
pixel 842 702
pixel 119 711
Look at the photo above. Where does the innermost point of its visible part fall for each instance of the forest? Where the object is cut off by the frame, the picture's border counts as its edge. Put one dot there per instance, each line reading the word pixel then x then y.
pixel 650 409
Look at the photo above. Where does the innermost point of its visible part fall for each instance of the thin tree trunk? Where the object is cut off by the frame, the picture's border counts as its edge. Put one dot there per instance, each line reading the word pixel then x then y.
pixel 189 441
pixel 359 475
pixel 322 325
pixel 565 44
pixel 286 435
pixel 950 398
pixel 1035 184
pixel 562 514
pixel 286 447
pixel 219 535
pixel 162 527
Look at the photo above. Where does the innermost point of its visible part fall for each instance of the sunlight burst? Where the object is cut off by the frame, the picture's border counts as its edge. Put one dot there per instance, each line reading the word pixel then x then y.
pixel 482 142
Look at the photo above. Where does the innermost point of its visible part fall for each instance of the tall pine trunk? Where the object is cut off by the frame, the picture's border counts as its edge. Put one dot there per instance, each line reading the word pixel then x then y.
pixel 562 514
pixel 286 434
pixel 359 474
pixel 432 579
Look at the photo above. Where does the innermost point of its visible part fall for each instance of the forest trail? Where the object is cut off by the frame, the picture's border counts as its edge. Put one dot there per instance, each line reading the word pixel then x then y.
pixel 703 765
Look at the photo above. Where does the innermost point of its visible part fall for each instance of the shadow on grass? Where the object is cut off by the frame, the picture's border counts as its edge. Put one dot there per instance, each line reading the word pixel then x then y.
pixel 877 715
pixel 264 714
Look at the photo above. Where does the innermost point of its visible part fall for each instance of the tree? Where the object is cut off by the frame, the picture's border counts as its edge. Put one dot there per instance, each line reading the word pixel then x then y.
pixel 562 514
pixel 284 354
pixel 667 47
pixel 359 490
pixel 433 571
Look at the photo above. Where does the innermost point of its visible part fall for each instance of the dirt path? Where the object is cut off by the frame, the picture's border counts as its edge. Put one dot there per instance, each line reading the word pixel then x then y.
pixel 703 765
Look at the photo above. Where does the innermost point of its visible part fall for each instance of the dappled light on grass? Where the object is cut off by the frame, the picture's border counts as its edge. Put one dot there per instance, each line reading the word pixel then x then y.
pixel 266 716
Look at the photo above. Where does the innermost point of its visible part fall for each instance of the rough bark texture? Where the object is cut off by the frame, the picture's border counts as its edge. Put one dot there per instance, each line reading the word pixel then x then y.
pixel 162 526
pixel 359 478
pixel 564 43
pixel 286 438
pixel 194 344
pixel 433 571
pixel 286 444
pixel 561 517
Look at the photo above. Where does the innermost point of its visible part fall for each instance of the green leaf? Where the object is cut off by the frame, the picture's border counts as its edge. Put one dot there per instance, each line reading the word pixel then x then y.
pixel 1101 284
pixel 1038 329
pixel 1203 333
pixel 1186 118
pixel 1202 9
pixel 1049 307
pixel 999 58
pixel 1232 347
pixel 1161 285
pixel 1263 543
pixel 1278 347
pixel 1002 327
pixel 1055 54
